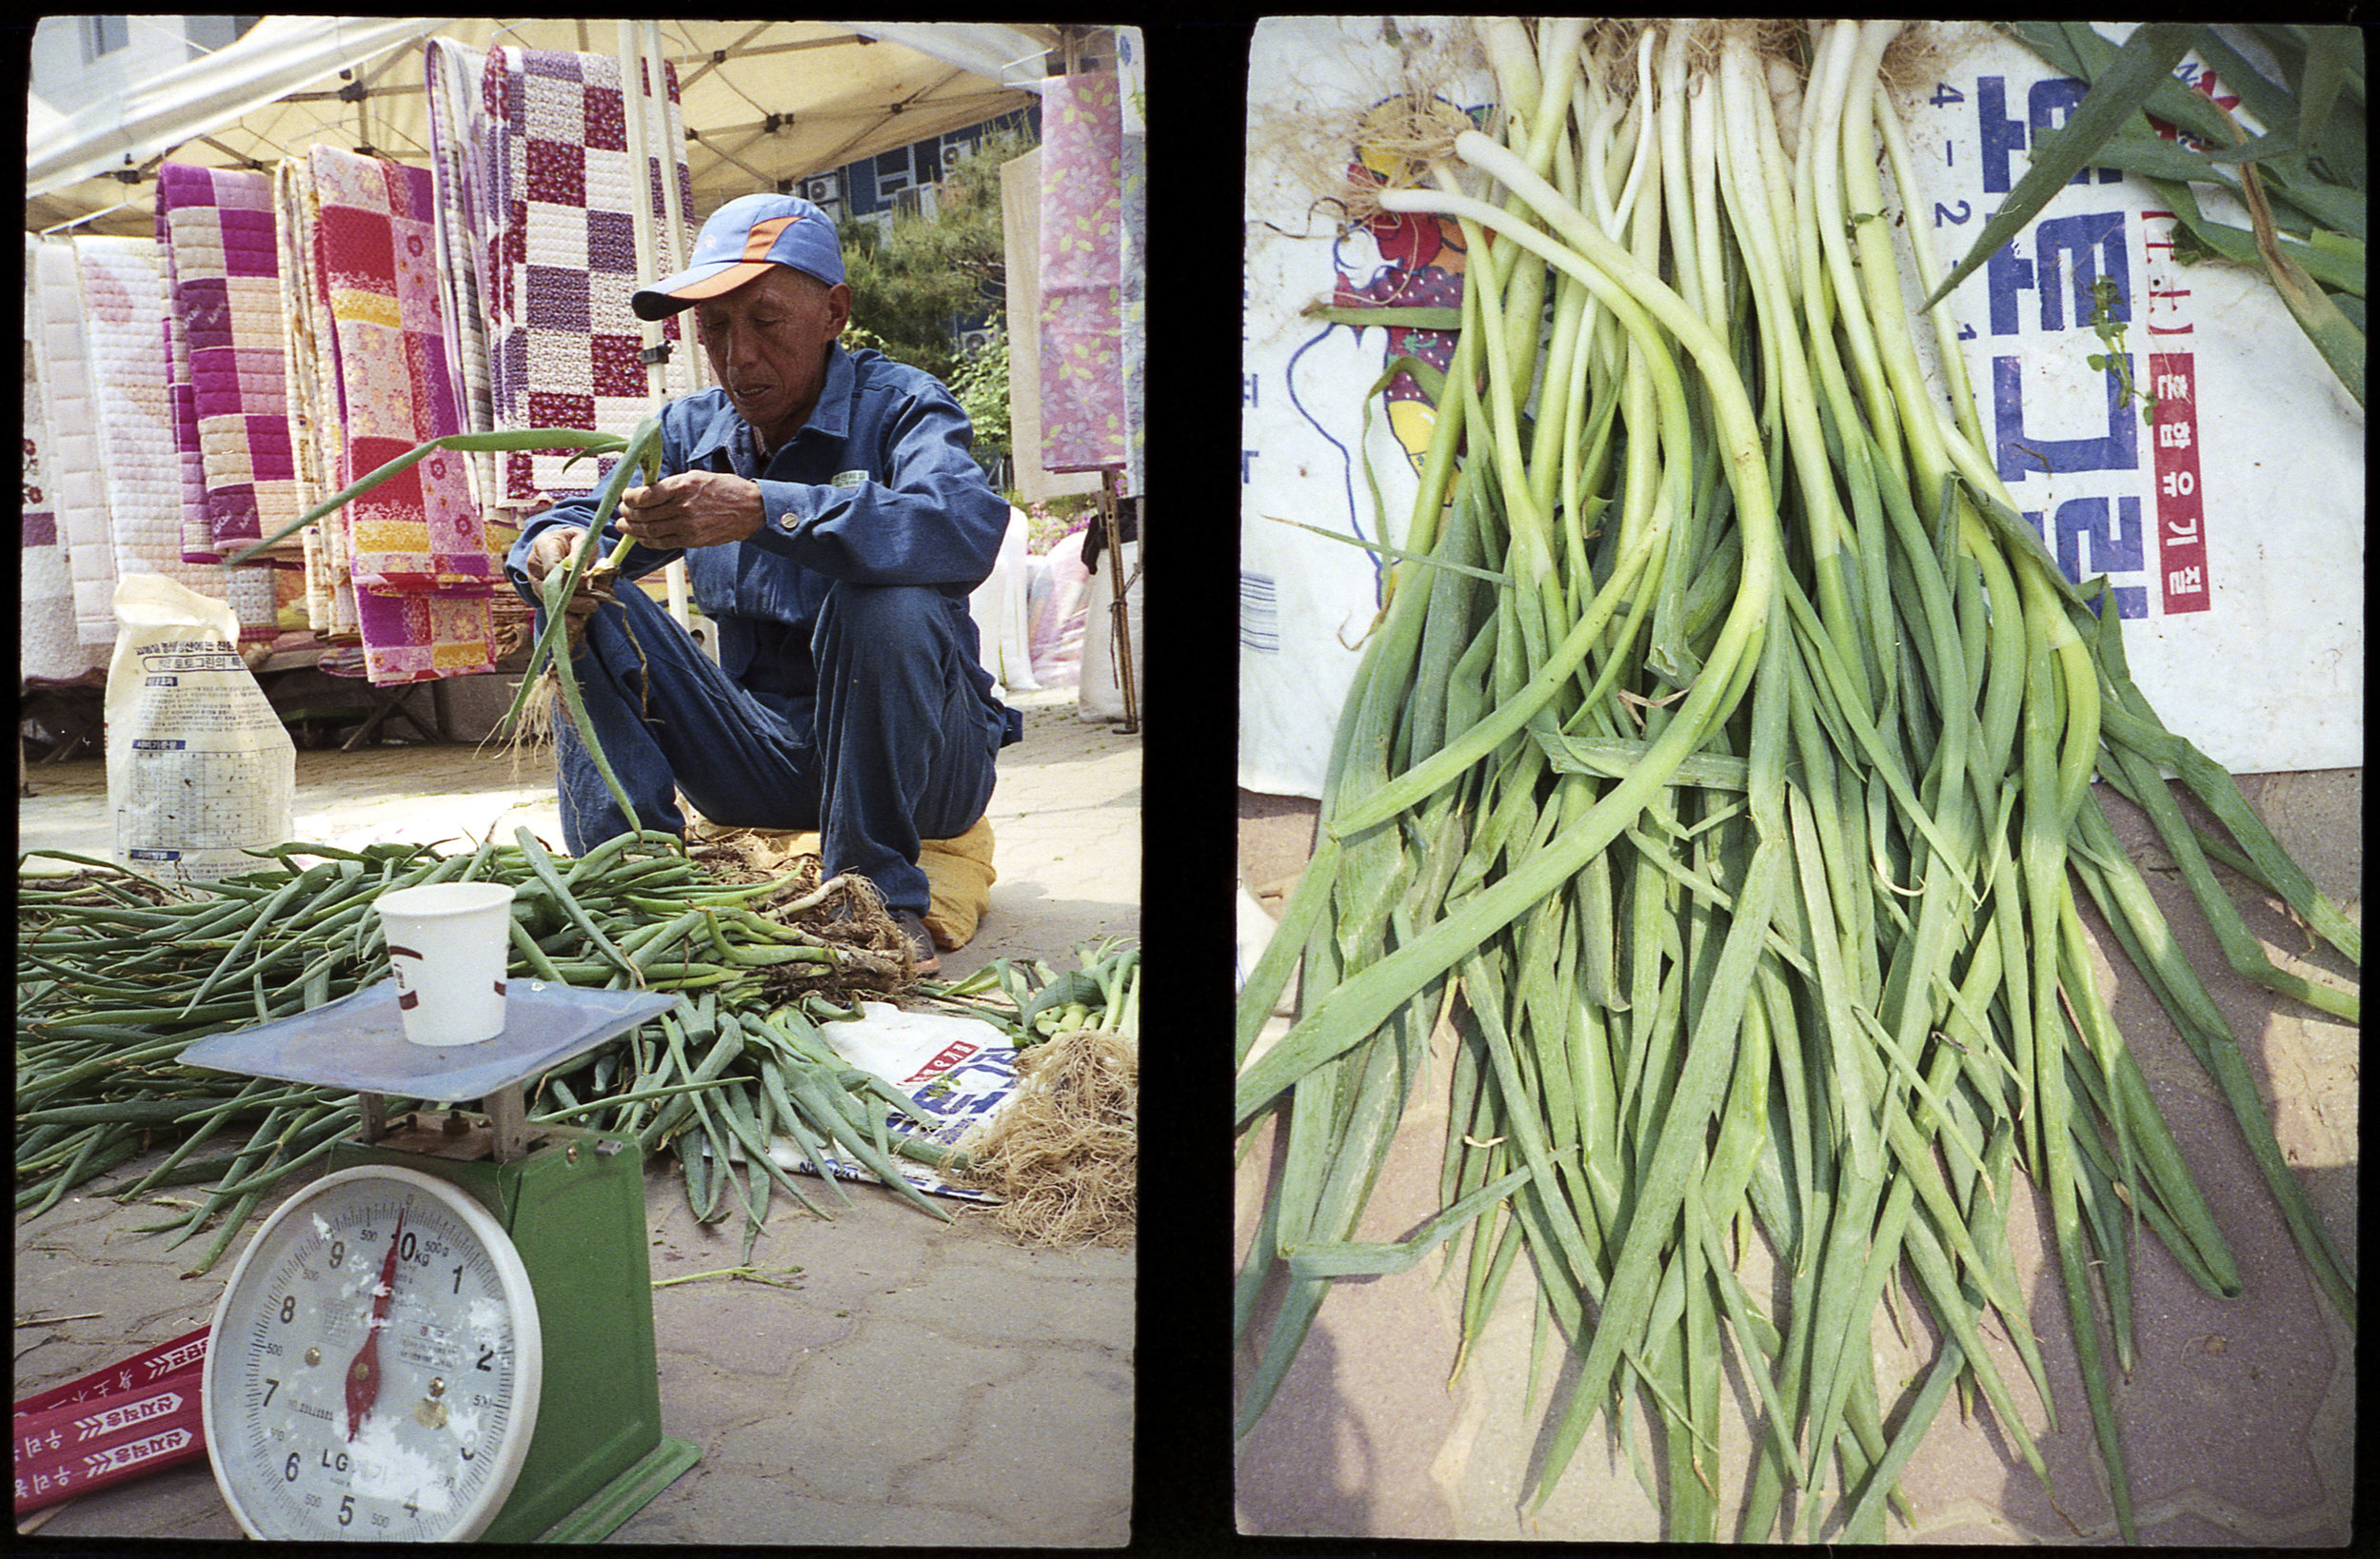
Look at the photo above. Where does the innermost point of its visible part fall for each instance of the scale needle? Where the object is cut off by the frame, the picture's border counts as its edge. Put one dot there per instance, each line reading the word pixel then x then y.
pixel 364 1374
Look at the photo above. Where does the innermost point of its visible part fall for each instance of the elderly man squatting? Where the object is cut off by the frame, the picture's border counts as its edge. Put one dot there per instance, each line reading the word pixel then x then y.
pixel 833 524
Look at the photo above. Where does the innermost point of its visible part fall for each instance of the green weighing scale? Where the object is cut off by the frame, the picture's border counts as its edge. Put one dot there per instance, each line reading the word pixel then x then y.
pixel 448 1336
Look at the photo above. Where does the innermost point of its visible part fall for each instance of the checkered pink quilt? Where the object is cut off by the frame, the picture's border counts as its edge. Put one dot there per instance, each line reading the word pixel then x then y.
pixel 559 255
pixel 219 228
pixel 313 401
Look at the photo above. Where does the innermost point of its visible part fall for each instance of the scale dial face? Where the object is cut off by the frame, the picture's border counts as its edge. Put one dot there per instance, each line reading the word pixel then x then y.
pixel 375 1367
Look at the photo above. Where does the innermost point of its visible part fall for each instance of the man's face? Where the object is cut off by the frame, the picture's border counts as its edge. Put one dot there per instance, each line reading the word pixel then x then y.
pixel 767 342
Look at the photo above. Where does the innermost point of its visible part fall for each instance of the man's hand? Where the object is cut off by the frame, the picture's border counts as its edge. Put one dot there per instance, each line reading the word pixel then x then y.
pixel 693 509
pixel 552 551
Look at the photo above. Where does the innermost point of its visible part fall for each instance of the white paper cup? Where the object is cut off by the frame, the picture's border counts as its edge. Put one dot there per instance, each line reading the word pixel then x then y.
pixel 447 947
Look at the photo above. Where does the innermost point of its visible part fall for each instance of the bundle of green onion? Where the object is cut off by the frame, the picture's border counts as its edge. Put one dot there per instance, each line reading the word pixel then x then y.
pixel 1734 822
pixel 117 975
pixel 1103 993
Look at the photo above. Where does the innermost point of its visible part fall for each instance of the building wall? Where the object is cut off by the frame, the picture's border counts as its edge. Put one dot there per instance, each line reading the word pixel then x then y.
pixel 871 188
pixel 70 68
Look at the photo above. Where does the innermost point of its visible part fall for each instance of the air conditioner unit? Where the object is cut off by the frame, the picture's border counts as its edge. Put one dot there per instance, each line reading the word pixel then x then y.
pixel 971 341
pixel 823 187
pixel 954 153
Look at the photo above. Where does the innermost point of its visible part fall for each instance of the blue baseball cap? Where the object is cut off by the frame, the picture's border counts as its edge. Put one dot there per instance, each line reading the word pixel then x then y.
pixel 740 241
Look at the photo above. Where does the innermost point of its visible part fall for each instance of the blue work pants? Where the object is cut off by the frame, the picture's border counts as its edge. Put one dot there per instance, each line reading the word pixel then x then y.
pixel 901 747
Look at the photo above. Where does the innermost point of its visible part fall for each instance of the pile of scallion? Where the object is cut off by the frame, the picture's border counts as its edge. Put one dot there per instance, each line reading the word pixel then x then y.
pixel 118 974
pixel 1104 993
pixel 1718 773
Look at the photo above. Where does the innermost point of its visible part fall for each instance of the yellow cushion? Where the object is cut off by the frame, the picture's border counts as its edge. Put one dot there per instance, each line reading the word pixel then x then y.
pixel 959 872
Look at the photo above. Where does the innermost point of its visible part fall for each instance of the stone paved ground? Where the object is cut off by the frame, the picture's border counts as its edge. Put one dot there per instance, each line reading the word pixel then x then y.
pixel 2238 1417
pixel 923 1383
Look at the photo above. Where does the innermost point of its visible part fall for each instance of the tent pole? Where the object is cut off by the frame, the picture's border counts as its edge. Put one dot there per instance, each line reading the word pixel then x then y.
pixel 1111 527
pixel 632 68
pixel 673 209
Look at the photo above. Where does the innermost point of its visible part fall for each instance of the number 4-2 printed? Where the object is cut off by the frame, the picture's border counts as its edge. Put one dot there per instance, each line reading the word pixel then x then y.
pixel 1944 95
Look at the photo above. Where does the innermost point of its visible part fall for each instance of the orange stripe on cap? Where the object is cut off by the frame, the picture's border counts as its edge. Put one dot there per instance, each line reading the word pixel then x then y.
pixel 728 280
pixel 764 236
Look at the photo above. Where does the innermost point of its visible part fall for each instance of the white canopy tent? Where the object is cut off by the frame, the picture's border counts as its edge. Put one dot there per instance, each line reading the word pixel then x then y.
pixel 763 102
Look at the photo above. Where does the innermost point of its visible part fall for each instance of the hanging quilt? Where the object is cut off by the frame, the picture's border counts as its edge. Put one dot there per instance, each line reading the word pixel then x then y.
pixel 558 258
pixel 414 551
pixel 1085 422
pixel 124 305
pixel 74 477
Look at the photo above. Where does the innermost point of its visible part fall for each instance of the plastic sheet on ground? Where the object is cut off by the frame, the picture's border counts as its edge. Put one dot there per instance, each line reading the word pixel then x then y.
pixel 2228 519
pixel 959 1069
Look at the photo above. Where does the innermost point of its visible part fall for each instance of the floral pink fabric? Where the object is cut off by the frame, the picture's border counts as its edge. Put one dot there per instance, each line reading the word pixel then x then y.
pixel 1085 423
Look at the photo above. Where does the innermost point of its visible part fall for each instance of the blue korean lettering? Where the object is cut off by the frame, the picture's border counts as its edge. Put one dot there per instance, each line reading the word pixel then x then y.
pixel 2082 527
pixel 2002 136
pixel 2046 105
pixel 2090 244
pixel 2018 454
pixel 973 1087
pixel 2004 276
pixel 2082 519
pixel 2080 248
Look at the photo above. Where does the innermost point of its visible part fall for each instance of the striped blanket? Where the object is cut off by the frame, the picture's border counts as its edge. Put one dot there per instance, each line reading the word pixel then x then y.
pixel 46 644
pixel 124 309
pixel 312 398
pixel 459 152
pixel 74 477
pixel 414 553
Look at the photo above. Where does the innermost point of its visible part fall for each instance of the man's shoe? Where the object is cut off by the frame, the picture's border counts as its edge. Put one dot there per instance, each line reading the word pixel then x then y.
pixel 921 942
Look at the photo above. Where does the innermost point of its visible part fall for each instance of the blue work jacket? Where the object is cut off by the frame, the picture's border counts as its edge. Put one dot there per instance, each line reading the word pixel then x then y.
pixel 877 487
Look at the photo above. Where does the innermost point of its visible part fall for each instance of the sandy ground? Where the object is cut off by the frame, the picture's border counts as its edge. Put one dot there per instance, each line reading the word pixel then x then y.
pixel 2238 1415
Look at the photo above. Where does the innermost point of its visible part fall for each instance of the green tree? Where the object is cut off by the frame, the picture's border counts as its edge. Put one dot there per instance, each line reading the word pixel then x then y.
pixel 980 383
pixel 913 280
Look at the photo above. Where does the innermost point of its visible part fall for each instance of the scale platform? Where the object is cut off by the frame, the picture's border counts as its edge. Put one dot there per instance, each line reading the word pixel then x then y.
pixel 570 1202
pixel 358 1041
